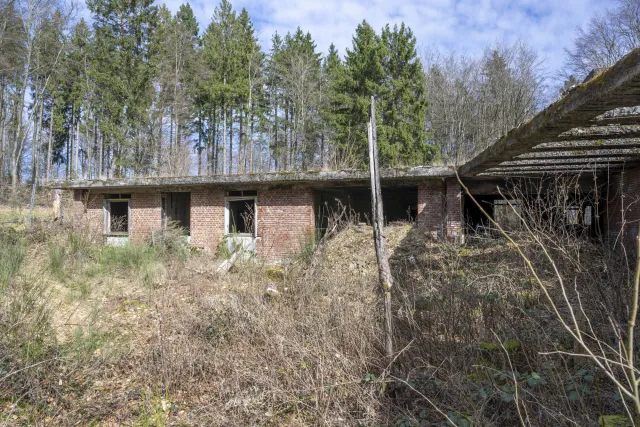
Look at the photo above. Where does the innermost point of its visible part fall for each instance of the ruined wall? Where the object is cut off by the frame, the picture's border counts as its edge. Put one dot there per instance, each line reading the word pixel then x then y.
pixel 431 207
pixel 440 208
pixel 623 206
pixel 453 209
pixel 207 218
pixel 87 211
pixel 146 215
pixel 285 221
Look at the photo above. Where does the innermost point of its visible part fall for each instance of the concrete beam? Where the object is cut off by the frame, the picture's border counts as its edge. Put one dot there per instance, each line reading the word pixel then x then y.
pixel 618 86
pixel 313 178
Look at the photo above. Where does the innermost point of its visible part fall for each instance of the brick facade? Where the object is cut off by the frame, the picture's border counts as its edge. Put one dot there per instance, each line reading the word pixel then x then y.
pixel 87 211
pixel 285 215
pixel 453 209
pixel 146 215
pixel 623 206
pixel 285 221
pixel 431 207
pixel 207 218
pixel 440 208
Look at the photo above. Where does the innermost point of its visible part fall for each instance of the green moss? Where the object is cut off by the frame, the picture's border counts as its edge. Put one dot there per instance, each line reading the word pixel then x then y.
pixel 509 345
pixel 614 421
pixel 275 273
pixel 489 346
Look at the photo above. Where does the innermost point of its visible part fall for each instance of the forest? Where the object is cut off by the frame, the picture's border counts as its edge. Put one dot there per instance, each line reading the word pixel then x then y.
pixel 137 90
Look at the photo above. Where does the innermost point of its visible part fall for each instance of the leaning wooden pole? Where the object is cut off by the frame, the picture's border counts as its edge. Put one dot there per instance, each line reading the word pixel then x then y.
pixel 377 214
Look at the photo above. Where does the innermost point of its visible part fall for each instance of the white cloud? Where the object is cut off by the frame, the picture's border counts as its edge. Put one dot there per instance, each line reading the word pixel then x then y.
pixel 461 25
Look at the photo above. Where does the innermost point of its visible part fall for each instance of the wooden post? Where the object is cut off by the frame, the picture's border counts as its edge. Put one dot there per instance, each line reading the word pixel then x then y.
pixel 57 204
pixel 377 214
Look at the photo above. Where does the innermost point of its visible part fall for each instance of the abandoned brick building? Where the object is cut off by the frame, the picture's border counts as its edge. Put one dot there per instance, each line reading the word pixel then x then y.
pixel 592 133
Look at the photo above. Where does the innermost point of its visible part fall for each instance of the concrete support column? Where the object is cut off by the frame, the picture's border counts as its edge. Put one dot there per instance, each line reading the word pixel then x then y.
pixel 431 207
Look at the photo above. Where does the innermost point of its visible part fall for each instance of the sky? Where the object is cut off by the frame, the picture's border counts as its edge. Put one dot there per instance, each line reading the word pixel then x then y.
pixel 463 26
pixel 466 26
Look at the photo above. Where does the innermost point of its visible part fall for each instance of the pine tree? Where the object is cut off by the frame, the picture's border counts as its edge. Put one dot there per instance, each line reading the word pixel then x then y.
pixel 248 87
pixel 277 145
pixel 175 43
pixel 220 43
pixel 299 68
pixel 124 78
pixel 334 105
pixel 403 107
pixel 363 78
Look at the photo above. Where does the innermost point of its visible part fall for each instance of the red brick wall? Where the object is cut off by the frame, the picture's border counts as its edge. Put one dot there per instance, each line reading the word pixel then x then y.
pixel 87 211
pixel 145 212
pixel 440 208
pixel 453 217
pixel 146 215
pixel 431 206
pixel 623 206
pixel 207 218
pixel 285 221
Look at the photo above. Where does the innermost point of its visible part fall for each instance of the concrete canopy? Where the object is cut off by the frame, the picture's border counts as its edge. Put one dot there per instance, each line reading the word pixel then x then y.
pixel 590 129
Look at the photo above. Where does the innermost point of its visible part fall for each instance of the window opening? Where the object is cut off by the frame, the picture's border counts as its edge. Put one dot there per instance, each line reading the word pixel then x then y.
pixel 242 217
pixel 117 216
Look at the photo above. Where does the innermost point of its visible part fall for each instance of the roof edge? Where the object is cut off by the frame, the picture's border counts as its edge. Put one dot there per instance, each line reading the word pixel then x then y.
pixel 274 178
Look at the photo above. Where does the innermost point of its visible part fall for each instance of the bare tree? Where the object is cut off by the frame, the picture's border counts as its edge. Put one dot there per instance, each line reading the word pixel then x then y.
pixel 605 39
pixel 473 101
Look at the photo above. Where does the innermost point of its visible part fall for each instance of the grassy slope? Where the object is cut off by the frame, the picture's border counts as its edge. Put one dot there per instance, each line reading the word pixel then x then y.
pixel 139 335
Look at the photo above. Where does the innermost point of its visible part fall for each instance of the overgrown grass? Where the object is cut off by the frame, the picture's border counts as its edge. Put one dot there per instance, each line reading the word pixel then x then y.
pixel 143 261
pixel 13 249
pixel 300 344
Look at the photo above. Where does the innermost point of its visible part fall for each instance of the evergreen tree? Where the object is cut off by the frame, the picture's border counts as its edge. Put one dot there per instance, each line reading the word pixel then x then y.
pixel 220 43
pixel 403 104
pixel 362 79
pixel 124 78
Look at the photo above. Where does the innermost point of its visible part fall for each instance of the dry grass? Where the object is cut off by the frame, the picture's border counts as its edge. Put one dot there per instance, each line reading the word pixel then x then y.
pixel 139 336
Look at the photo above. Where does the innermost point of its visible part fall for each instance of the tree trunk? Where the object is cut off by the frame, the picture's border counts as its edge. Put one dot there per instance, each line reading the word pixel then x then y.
pixel 231 141
pixel 76 146
pixel 35 144
pixel 241 144
pixel 50 144
pixel 21 134
pixel 224 140
pixel 3 118
pixel 170 158
pixel 100 151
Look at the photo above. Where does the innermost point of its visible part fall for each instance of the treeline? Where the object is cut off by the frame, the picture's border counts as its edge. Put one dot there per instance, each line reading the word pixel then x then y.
pixel 143 91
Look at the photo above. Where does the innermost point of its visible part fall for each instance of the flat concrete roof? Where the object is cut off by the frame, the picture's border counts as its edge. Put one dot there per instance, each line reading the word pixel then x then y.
pixel 311 178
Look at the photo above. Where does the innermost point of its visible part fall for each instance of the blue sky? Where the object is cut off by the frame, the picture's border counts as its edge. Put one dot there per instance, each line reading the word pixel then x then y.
pixel 460 25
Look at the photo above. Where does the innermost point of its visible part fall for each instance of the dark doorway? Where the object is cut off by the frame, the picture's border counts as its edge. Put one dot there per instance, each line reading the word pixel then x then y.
pixel 176 209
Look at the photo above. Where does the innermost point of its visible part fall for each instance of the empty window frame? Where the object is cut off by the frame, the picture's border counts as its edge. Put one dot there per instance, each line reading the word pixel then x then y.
pixel 241 216
pixel 117 216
